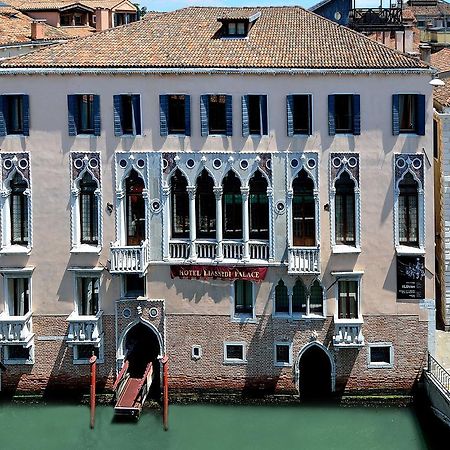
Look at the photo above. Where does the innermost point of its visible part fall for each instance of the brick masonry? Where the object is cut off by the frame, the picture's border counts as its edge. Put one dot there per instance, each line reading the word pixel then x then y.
pixel 54 368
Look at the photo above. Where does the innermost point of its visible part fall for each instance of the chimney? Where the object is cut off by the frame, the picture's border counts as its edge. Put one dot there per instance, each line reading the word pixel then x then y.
pixel 425 53
pixel 101 19
pixel 37 29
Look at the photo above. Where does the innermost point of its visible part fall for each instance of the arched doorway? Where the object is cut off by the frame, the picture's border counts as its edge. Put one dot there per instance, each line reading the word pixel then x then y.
pixel 141 346
pixel 316 371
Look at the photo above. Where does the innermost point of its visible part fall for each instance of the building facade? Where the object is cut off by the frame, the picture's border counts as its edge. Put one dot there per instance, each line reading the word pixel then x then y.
pixel 262 217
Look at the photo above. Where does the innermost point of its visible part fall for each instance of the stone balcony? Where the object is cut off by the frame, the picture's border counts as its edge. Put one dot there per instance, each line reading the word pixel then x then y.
pixel 130 259
pixel 304 260
pixel 85 329
pixel 16 330
pixel 348 333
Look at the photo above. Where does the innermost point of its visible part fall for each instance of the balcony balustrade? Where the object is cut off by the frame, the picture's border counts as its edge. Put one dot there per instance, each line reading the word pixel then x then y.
pixel 130 259
pixel 85 329
pixel 15 329
pixel 303 260
pixel 348 333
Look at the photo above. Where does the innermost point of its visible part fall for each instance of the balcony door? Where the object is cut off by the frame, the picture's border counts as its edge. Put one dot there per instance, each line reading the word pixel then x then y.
pixel 303 211
pixel 135 204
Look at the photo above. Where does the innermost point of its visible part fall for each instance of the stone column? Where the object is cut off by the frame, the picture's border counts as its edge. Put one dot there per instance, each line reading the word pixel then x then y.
pixel 218 190
pixel 192 221
pixel 245 223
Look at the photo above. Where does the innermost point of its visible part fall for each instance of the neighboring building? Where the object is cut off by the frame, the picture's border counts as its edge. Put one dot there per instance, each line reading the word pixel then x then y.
pixel 20 34
pixel 441 100
pixel 247 191
pixel 80 18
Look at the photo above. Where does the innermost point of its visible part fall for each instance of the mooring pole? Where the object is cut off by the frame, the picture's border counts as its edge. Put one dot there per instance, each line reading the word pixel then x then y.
pixel 92 362
pixel 165 392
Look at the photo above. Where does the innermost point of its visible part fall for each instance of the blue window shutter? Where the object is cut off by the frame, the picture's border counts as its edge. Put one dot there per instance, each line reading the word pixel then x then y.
pixel 331 121
pixel 310 114
pixel 117 104
pixel 163 115
pixel 136 100
pixel 72 107
pixel 97 116
pixel 187 115
pixel 204 114
pixel 264 118
pixel 229 114
pixel 290 114
pixel 3 110
pixel 245 130
pixel 26 115
pixel 421 115
pixel 395 115
pixel 356 114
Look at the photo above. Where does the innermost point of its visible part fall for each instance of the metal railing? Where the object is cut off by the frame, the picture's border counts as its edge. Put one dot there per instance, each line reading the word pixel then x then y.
pixel 439 373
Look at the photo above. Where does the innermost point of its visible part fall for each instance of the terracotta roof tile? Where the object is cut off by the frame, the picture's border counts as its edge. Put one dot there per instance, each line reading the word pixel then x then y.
pixel 283 37
pixel 441 60
pixel 33 5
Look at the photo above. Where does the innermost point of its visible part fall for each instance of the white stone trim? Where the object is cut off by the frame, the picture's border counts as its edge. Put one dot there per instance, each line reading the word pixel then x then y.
pixel 17 273
pixel 86 272
pixel 380 365
pixel 233 360
pixel 78 361
pixel 280 363
pixel 242 317
pixel 348 276
pixel 29 361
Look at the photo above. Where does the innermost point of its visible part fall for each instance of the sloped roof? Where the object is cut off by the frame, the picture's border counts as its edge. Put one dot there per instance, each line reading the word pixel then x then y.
pixel 282 37
pixel 40 5
pixel 15 28
pixel 441 60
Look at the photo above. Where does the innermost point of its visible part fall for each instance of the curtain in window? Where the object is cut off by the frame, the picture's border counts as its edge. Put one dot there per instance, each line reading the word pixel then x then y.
pixel 88 295
pixel 88 210
pixel 18 288
pixel 180 205
pixel 345 210
pixel 407 112
pixel 408 224
pixel 232 207
pixel 348 299
pixel 135 205
pixel 86 113
pixel 205 205
pixel 316 298
pixel 259 207
pixel 299 298
pixel 303 211
pixel 281 298
pixel 19 211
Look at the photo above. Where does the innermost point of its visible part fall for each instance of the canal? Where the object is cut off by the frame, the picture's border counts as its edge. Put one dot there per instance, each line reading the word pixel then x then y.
pixel 217 427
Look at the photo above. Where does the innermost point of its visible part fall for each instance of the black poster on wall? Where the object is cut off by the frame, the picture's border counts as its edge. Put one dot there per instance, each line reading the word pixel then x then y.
pixel 410 277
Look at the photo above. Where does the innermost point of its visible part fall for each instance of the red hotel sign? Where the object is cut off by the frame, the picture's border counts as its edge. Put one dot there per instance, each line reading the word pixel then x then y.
pixel 219 272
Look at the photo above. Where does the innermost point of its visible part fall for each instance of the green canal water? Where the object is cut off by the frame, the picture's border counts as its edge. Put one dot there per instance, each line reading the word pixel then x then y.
pixel 211 427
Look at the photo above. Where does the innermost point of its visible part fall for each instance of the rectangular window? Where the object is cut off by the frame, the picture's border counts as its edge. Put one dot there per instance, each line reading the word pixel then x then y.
pixel 84 114
pixel 380 355
pixel 127 114
pixel 133 286
pixel 83 352
pixel 88 295
pixel 234 352
pixel 17 354
pixel 283 354
pixel 14 114
pixel 299 114
pixel 408 114
pixel 19 296
pixel 254 115
pixel 243 298
pixel 217 114
pixel 176 120
pixel 343 114
pixel 347 299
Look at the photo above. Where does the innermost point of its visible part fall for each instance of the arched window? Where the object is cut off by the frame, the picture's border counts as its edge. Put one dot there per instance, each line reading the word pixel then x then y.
pixel 259 207
pixel 232 207
pixel 345 210
pixel 303 211
pixel 180 205
pixel 135 205
pixel 281 298
pixel 299 298
pixel 316 299
pixel 408 200
pixel 19 211
pixel 88 210
pixel 205 206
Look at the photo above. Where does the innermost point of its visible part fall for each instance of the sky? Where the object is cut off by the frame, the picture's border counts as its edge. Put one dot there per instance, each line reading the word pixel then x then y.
pixel 170 5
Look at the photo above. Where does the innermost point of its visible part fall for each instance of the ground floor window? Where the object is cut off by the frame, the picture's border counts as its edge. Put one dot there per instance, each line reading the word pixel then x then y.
pixel 380 355
pixel 283 354
pixel 17 354
pixel 83 352
pixel 234 352
pixel 243 299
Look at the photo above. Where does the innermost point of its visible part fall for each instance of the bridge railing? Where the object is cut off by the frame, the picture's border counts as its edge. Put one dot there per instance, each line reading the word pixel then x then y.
pixel 439 373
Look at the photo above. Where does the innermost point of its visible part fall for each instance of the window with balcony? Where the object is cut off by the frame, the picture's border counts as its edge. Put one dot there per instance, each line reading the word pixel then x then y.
pixel 243 300
pixel 84 114
pixel 408 114
pixel 205 206
pixel 216 115
pixel 299 114
pixel 19 211
pixel 303 211
pixel 88 288
pixel 18 296
pixel 344 115
pixel 259 207
pixel 88 210
pixel 348 299
pixel 254 115
pixel 14 115
pixel 408 202
pixel 232 207
pixel 127 114
pixel 174 114
pixel 345 210
pixel 180 205
pixel 135 209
